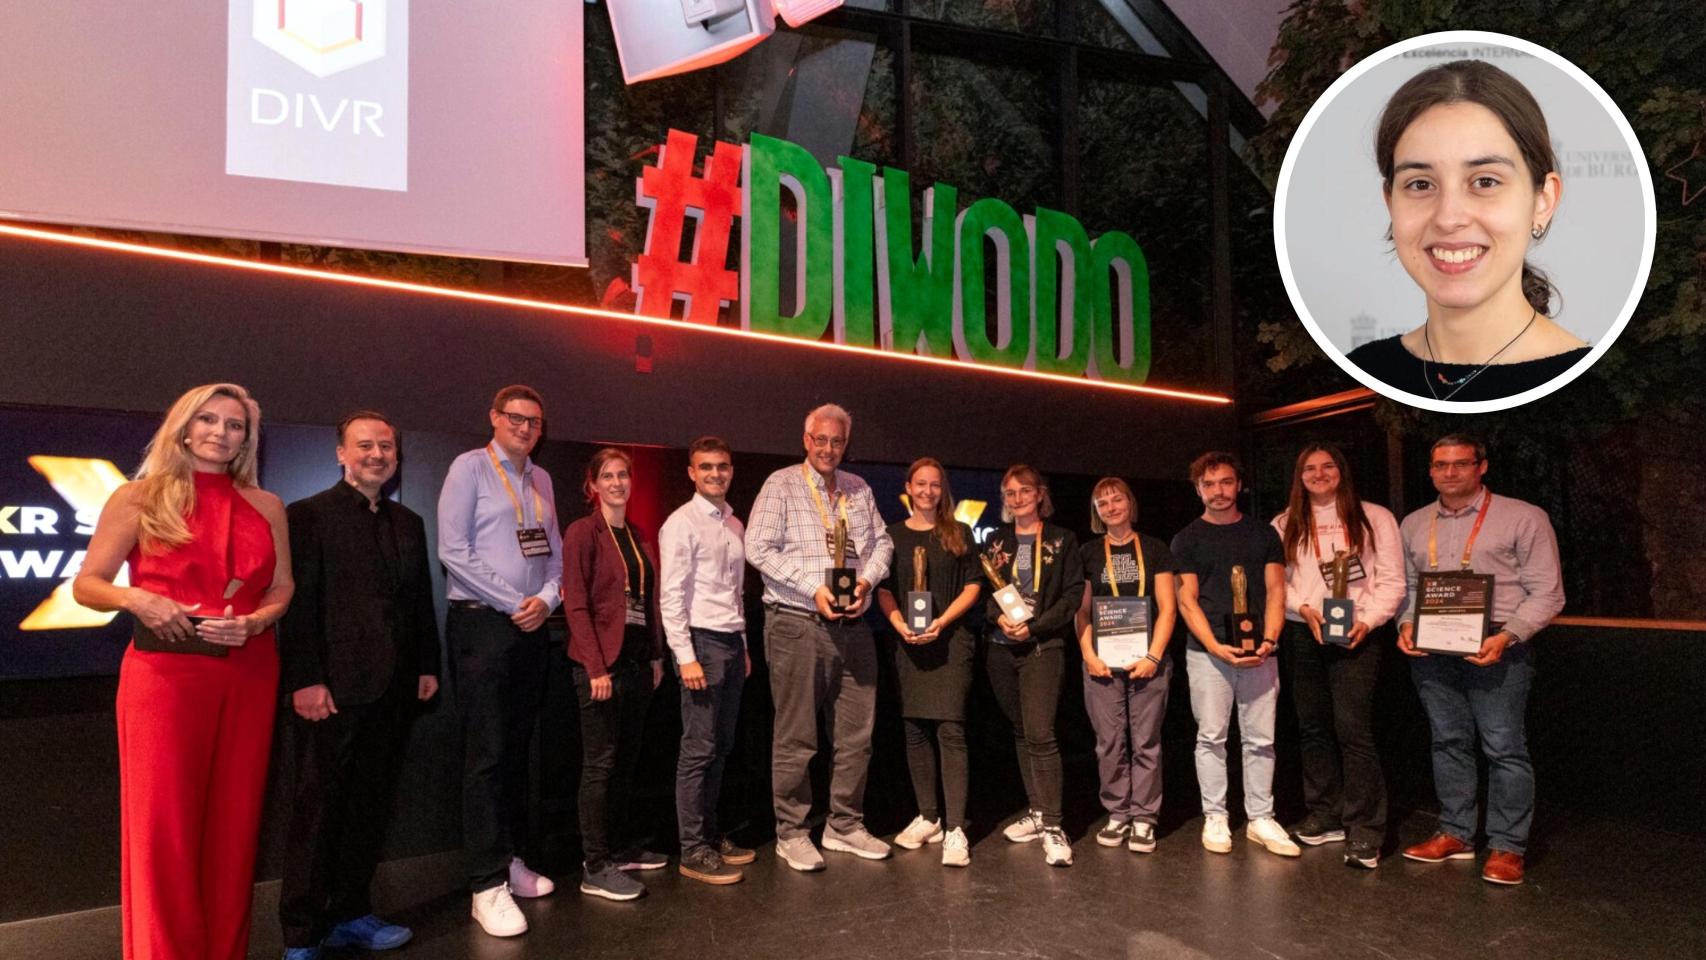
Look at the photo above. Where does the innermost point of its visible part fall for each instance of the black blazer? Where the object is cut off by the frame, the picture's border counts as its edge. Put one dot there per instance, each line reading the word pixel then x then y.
pixel 1059 593
pixel 355 622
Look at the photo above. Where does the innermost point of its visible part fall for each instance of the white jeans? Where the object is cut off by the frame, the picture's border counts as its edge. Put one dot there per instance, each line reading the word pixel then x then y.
pixel 1215 686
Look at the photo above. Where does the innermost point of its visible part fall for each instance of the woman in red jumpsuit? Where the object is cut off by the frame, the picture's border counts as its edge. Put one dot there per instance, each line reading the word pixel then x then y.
pixel 195 697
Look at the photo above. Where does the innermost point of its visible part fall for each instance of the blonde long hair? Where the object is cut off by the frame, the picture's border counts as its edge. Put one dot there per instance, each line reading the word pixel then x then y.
pixel 165 481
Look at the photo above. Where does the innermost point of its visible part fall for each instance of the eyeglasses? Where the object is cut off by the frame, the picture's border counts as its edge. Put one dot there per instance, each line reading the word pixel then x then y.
pixel 821 440
pixel 1018 493
pixel 516 420
pixel 1447 466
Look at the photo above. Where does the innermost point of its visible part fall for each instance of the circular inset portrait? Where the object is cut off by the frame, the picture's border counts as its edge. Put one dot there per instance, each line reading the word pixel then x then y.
pixel 1464 221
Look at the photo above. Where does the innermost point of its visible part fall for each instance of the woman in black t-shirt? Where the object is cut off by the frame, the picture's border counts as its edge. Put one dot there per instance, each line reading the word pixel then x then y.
pixel 1127 700
pixel 1026 660
pixel 934 664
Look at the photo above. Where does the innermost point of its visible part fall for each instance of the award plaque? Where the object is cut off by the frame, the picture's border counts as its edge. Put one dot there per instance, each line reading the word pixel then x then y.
pixel 1454 612
pixel 1338 614
pixel 1119 628
pixel 1007 596
pixel 1242 634
pixel 842 579
pixel 920 603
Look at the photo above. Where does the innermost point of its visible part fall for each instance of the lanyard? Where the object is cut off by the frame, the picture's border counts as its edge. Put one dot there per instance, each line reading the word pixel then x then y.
pixel 538 505
pixel 1433 530
pixel 1108 555
pixel 639 561
pixel 817 501
pixel 1036 560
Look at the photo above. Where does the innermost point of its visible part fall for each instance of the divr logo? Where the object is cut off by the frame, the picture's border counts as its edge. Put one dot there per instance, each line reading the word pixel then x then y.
pixel 322 37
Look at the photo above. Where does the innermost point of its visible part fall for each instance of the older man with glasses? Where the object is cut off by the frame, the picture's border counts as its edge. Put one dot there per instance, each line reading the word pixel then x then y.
pixel 822 657
pixel 502 549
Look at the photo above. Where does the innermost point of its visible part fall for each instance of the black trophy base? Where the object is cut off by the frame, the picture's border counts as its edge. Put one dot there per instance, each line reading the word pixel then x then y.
pixel 1242 634
pixel 920 610
pixel 1337 619
pixel 843 588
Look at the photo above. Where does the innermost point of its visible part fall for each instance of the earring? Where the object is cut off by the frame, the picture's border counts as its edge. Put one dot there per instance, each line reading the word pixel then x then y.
pixel 1538 232
pixel 186 441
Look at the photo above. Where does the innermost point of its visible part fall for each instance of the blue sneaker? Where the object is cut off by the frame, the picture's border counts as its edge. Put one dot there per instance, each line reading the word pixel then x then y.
pixel 301 953
pixel 367 933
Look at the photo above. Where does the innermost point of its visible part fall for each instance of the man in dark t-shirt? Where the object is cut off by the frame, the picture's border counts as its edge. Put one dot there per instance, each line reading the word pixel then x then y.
pixel 1206 551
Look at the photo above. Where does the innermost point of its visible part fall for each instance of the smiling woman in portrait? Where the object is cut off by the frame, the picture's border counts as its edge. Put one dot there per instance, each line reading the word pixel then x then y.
pixel 1471 182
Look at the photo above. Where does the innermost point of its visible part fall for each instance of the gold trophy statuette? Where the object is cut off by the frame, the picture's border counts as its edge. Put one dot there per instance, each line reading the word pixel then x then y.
pixel 920 604
pixel 1241 633
pixel 840 577
pixel 1337 613
pixel 1007 596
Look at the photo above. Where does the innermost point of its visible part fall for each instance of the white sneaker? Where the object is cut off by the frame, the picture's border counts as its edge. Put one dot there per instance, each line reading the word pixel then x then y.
pixel 1057 852
pixel 1267 832
pixel 525 883
pixel 956 850
pixel 1025 829
pixel 798 852
pixel 859 843
pixel 918 833
pixel 1216 835
pixel 496 913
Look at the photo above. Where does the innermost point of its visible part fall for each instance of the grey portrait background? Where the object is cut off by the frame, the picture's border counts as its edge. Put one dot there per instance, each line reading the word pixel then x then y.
pixel 1336 220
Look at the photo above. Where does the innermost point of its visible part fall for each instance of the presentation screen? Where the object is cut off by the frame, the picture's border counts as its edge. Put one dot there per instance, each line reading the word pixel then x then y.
pixel 443 128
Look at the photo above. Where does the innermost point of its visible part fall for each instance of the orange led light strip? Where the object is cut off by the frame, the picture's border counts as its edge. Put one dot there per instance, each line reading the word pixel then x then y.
pixel 95 243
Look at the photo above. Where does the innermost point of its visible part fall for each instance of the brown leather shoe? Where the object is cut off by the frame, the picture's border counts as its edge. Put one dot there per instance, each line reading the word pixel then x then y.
pixel 739 856
pixel 1503 867
pixel 1439 848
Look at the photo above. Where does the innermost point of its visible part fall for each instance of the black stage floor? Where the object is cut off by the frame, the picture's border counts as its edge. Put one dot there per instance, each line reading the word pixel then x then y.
pixel 1595 890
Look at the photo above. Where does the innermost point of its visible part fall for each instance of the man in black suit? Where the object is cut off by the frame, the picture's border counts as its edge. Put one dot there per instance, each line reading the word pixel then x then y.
pixel 359 648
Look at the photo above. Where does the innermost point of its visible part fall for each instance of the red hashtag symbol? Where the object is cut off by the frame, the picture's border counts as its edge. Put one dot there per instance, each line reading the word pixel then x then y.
pixel 672 193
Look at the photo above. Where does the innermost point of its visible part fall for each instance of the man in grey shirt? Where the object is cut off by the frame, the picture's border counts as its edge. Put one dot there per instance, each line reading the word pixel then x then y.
pixel 1485 694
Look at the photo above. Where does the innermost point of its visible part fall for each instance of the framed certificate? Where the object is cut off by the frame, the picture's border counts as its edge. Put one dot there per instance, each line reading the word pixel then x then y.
pixel 1119 628
pixel 1454 612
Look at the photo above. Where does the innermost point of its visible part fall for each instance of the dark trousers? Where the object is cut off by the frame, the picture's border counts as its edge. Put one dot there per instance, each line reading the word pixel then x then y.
pixel 829 668
pixel 346 769
pixel 1333 691
pixel 1126 715
pixel 1025 678
pixel 923 738
pixel 610 749
pixel 708 719
pixel 500 680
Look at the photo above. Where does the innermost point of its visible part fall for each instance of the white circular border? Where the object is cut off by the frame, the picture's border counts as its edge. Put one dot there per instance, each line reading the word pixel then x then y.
pixel 1648 207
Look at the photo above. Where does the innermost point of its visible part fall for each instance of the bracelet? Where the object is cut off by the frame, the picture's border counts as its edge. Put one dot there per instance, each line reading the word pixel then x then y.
pixel 1151 658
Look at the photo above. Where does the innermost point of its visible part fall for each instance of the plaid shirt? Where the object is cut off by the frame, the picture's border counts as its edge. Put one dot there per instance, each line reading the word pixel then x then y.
pixel 788 544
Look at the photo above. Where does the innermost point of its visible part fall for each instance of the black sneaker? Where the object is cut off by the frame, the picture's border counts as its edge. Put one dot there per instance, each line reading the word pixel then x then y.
pixel 1361 853
pixel 709 867
pixel 639 858
pixel 732 853
pixel 1315 831
pixel 1113 833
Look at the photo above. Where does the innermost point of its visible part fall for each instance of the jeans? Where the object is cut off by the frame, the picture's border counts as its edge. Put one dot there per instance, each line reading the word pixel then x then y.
pixel 708 720
pixel 1216 686
pixel 923 737
pixel 1025 678
pixel 1465 703
pixel 829 668
pixel 1127 715
pixel 500 681
pixel 610 749
pixel 1333 691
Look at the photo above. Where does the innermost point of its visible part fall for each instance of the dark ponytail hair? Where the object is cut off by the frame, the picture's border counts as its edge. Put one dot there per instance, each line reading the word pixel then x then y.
pixel 1481 83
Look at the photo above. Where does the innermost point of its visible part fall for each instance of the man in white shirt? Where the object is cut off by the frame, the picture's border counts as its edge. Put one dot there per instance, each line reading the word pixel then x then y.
pixel 700 600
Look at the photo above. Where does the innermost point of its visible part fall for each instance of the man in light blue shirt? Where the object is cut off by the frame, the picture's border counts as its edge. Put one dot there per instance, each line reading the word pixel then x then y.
pixel 502 549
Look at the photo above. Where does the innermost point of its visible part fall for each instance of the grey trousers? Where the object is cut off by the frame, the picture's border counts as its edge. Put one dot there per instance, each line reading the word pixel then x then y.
pixel 1127 715
pixel 829 668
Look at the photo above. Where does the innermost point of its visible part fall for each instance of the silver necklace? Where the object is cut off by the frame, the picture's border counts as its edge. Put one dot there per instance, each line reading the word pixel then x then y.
pixel 1463 381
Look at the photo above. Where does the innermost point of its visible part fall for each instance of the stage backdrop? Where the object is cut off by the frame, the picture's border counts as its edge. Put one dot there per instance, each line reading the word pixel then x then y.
pixel 382 124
